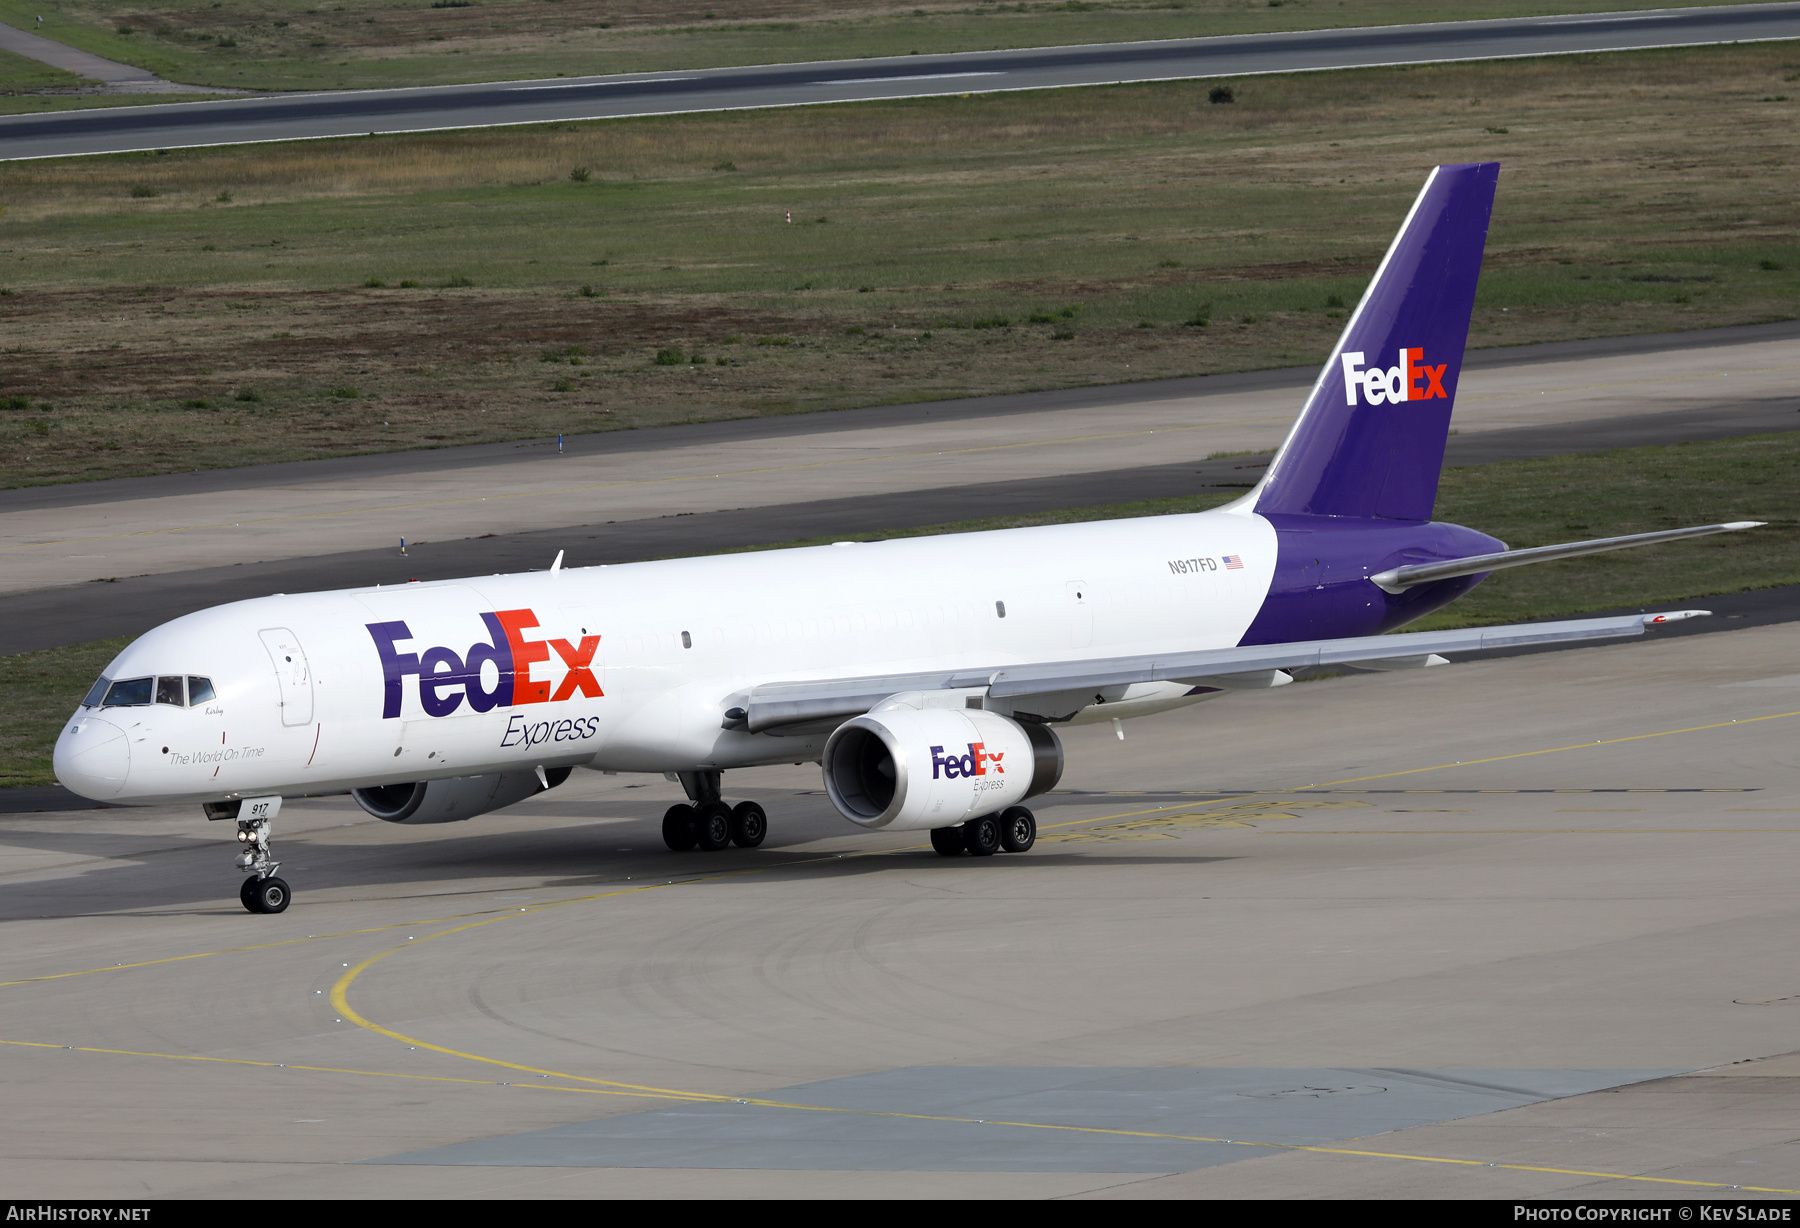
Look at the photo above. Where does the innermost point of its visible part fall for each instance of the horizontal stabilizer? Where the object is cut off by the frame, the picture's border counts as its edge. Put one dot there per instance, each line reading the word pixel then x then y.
pixel 1399 579
pixel 785 703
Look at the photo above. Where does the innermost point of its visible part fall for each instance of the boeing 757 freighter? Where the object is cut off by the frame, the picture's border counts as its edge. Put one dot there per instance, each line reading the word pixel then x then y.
pixel 927 676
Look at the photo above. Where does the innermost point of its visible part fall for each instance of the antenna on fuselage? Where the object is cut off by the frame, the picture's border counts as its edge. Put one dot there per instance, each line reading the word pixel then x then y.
pixel 557 565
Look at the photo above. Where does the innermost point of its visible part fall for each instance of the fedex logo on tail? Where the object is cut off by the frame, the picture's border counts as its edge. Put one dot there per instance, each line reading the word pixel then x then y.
pixel 975 763
pixel 447 678
pixel 1411 380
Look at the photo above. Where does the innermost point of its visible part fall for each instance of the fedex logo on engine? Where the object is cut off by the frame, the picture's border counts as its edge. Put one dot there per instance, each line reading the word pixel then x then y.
pixel 975 763
pixel 1411 380
pixel 447 678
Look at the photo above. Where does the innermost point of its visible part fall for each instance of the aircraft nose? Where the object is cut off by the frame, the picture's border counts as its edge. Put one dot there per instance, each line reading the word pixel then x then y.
pixel 92 757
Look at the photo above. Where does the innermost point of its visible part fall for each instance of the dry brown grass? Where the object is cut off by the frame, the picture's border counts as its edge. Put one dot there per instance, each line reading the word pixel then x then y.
pixel 1640 193
pixel 431 368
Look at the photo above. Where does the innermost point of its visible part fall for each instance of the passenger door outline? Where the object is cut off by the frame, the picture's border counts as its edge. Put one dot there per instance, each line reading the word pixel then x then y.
pixel 293 676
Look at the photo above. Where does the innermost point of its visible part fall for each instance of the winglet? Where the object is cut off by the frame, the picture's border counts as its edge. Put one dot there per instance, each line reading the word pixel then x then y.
pixel 1675 616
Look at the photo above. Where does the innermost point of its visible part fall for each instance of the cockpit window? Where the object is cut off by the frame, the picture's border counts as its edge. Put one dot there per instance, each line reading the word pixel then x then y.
pixel 130 693
pixel 135 692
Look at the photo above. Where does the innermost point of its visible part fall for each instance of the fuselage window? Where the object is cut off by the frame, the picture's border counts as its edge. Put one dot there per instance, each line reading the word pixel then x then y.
pixel 130 692
pixel 96 693
pixel 200 691
pixel 170 691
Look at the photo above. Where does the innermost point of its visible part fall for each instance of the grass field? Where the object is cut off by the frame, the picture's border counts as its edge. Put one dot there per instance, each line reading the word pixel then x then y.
pixel 217 307
pixel 1526 503
pixel 18 73
pixel 38 690
pixel 284 45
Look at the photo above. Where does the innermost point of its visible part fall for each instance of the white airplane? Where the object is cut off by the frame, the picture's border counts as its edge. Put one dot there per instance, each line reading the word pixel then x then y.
pixel 926 676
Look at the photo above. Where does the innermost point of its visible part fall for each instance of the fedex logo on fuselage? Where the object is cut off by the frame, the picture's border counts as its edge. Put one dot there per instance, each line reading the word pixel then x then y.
pixel 447 678
pixel 1411 380
pixel 975 763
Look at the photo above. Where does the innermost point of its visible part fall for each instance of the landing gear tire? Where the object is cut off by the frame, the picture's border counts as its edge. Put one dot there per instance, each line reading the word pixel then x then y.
pixel 712 827
pixel 749 824
pixel 1018 829
pixel 982 836
pixel 266 895
pixel 679 828
pixel 948 841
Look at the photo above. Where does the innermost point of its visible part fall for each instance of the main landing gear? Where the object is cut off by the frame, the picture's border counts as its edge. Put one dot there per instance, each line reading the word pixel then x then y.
pixel 709 823
pixel 262 891
pixel 1013 830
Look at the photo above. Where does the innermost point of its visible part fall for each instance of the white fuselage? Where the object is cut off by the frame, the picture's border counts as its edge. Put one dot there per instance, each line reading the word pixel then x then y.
pixel 301 690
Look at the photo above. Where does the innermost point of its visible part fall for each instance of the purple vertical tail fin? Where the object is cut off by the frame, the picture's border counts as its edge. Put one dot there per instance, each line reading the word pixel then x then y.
pixel 1370 442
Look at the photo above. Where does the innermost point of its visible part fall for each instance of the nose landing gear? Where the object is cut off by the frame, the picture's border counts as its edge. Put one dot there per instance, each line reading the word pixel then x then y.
pixel 262 892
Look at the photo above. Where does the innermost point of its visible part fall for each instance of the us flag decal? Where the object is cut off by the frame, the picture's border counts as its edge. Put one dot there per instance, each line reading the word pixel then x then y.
pixel 1234 562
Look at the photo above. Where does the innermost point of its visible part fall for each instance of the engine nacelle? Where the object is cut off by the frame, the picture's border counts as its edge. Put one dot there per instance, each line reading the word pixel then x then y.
pixel 903 768
pixel 451 801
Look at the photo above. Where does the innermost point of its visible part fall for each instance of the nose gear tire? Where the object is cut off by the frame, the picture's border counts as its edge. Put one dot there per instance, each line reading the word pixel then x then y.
pixel 266 895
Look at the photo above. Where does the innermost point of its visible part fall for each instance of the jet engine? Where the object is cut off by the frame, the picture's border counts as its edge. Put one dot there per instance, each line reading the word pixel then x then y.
pixel 904 768
pixel 450 801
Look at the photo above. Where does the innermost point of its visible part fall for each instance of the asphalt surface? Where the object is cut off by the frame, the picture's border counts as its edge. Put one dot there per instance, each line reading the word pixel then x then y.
pixel 367 112
pixel 1411 918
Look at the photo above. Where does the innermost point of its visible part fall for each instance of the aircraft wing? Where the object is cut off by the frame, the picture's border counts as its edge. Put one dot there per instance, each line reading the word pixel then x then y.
pixel 786 703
